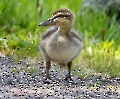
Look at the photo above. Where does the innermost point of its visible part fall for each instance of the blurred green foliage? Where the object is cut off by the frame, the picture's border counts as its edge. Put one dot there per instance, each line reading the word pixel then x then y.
pixel 20 34
pixel 17 14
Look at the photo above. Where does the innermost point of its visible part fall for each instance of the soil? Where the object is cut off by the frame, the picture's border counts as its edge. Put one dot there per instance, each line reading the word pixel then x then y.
pixel 25 81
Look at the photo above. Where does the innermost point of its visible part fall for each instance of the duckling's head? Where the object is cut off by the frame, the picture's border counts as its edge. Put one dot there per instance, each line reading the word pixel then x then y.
pixel 62 18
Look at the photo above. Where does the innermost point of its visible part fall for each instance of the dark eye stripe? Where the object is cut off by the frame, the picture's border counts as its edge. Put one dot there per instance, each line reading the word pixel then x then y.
pixel 61 16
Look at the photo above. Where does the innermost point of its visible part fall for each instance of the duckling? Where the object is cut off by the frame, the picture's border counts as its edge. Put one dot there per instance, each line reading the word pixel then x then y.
pixel 60 43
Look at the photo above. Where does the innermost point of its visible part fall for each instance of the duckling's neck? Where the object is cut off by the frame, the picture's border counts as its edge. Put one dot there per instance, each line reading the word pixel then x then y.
pixel 64 30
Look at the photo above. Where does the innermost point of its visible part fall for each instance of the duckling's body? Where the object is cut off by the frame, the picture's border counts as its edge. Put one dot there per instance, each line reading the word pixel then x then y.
pixel 60 47
pixel 60 43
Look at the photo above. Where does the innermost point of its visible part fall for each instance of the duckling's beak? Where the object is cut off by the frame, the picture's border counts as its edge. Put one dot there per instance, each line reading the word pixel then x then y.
pixel 48 22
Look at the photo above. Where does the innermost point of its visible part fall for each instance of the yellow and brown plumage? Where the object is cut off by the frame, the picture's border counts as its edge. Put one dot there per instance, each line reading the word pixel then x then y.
pixel 60 43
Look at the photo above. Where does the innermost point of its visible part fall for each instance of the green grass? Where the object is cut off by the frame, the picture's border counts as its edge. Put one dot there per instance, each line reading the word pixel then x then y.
pixel 20 34
pixel 102 59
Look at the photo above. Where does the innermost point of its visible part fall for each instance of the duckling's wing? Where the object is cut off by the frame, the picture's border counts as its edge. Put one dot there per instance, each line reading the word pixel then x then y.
pixel 73 35
pixel 49 32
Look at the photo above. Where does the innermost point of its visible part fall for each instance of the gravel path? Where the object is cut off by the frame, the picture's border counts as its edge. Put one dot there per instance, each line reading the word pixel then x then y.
pixel 23 81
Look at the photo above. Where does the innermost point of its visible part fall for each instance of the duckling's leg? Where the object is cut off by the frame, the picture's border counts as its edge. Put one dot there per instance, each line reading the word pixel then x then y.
pixel 48 79
pixel 48 65
pixel 69 70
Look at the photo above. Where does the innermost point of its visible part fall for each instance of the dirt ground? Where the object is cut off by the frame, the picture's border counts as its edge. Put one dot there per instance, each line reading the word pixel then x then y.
pixel 24 81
